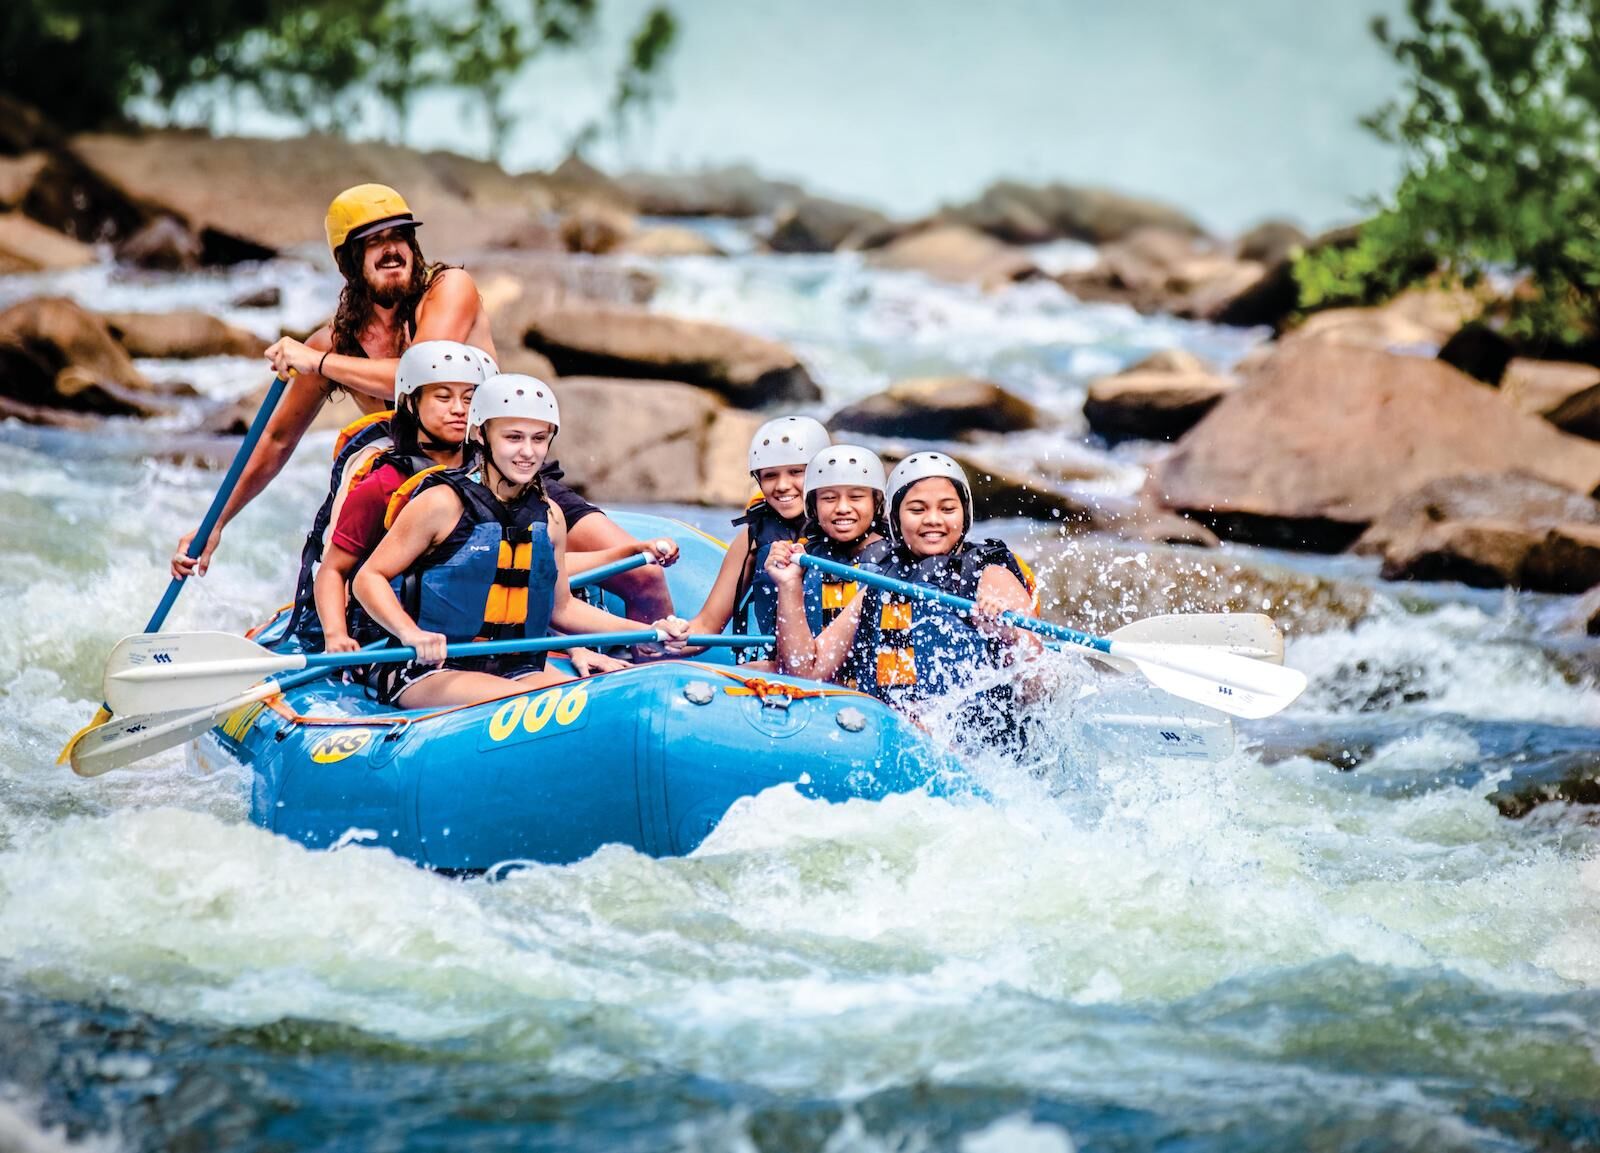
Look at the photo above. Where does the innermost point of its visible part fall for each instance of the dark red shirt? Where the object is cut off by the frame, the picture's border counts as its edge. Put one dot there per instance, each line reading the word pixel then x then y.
pixel 360 524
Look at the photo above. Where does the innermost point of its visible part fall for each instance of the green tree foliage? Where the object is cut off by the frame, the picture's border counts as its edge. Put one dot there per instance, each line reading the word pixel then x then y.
pixel 85 62
pixel 1499 125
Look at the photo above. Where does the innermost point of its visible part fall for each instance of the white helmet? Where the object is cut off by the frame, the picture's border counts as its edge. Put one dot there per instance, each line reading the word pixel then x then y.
pixel 921 466
pixel 844 464
pixel 786 441
pixel 512 394
pixel 441 362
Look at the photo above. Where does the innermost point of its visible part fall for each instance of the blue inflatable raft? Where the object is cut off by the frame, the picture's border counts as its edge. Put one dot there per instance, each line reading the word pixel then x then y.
pixel 650 757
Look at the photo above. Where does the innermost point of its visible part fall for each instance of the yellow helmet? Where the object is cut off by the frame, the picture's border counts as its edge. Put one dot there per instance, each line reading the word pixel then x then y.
pixel 365 209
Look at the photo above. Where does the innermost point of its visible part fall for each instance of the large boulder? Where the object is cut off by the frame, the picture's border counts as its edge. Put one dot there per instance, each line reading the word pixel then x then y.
pixel 183 335
pixel 1325 437
pixel 1490 530
pixel 57 355
pixel 1162 270
pixel 736 191
pixel 1271 242
pixel 957 253
pixel 1579 414
pixel 1160 398
pixel 668 241
pixel 249 198
pixel 164 245
pixel 1539 387
pixel 583 339
pixel 233 417
pixel 816 224
pixel 938 408
pixel 1027 214
pixel 659 440
pixel 27 246
pixel 595 229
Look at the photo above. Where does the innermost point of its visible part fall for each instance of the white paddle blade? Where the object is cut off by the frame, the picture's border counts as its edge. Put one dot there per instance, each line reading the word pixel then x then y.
pixel 1232 684
pixel 1253 635
pixel 125 740
pixel 165 672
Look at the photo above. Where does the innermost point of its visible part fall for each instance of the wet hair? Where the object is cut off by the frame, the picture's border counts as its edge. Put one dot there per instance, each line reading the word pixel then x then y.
pixel 355 299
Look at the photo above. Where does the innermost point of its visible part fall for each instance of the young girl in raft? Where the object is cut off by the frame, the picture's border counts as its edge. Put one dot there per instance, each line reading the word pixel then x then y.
pixel 433 387
pixel 779 453
pixel 481 553
pixel 904 651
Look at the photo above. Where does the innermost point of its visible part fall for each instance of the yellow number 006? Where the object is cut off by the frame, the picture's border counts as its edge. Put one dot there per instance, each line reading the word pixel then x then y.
pixel 532 714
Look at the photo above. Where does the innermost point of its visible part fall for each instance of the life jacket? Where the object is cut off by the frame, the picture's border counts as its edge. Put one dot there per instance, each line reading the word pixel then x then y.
pixel 360 448
pixel 493 577
pixel 755 599
pixel 909 650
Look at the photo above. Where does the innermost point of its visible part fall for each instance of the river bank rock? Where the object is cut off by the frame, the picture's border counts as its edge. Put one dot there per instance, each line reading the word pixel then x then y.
pixel 28 246
pixel 1491 531
pixel 736 191
pixel 1324 438
pixel 585 339
pixel 1419 320
pixel 595 229
pixel 164 244
pixel 1162 270
pixel 938 408
pixel 1020 213
pixel 817 224
pixel 668 241
pixel 1572 779
pixel 184 335
pixel 653 440
pixel 1539 387
pixel 1160 398
pixel 250 198
pixel 1271 242
pixel 233 417
pixel 55 355
pixel 1584 616
pixel 959 254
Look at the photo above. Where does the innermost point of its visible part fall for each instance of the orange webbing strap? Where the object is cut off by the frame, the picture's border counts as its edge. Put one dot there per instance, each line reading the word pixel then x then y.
pixel 402 495
pixel 255 630
pixel 763 688
pixel 1029 582
pixel 355 426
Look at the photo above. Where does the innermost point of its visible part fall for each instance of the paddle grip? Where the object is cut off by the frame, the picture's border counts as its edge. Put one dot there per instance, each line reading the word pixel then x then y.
pixel 939 596
pixel 220 501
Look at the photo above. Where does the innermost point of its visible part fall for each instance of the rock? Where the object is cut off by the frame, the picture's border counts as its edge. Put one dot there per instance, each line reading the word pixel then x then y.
pixel 1028 214
pixel 957 253
pixel 233 417
pixel 1271 242
pixel 596 340
pixel 736 191
pixel 595 229
pixel 1274 300
pixel 575 180
pixel 54 354
pixel 938 408
pixel 1480 352
pixel 517 358
pixel 653 440
pixel 18 174
pixel 247 199
pixel 184 335
pixel 1539 387
pixel 816 224
pixel 1418 321
pixel 668 241
pixel 1319 443
pixel 1161 398
pixel 1572 778
pixel 269 297
pixel 27 246
pixel 1159 270
pixel 164 244
pixel 1579 414
pixel 1490 530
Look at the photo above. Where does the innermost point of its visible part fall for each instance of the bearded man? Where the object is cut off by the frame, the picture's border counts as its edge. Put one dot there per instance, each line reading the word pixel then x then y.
pixel 392 298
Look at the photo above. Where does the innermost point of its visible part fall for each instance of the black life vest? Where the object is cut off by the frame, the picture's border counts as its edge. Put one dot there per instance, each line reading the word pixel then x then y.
pixel 360 448
pixel 826 595
pixel 755 599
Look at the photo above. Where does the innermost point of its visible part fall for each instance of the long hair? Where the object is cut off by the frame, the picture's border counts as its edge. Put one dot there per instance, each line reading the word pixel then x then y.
pixel 356 303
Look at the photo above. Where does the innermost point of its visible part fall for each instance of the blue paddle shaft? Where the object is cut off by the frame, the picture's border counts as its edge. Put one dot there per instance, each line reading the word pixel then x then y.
pixel 482 648
pixel 925 593
pixel 220 501
pixel 604 572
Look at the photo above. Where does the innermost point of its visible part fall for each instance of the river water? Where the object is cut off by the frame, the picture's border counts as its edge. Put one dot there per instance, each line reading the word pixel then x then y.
pixel 1262 953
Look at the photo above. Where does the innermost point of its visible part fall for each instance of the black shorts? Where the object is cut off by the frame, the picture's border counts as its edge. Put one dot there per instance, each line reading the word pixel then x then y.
pixel 389 681
pixel 572 506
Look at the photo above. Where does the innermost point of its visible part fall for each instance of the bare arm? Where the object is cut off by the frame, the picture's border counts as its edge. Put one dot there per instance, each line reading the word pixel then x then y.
pixel 301 402
pixel 567 612
pixel 332 589
pixel 718 609
pixel 423 523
